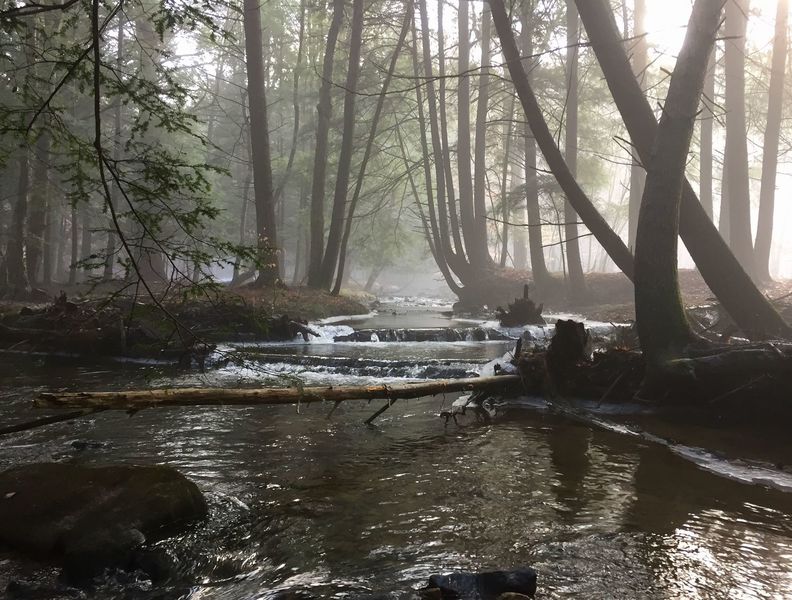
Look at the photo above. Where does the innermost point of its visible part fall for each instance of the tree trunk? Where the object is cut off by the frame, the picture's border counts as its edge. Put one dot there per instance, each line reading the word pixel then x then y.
pixel 576 282
pixel 453 217
pixel 330 260
pixel 640 62
pixel 736 166
pixel 466 210
pixel 53 233
pixel 324 110
pixel 663 328
pixel 707 121
pixel 518 236
pixel 443 241
pixel 110 245
pixel 86 241
pixel 267 241
pixel 555 161
pixel 775 104
pixel 408 17
pixel 721 271
pixel 295 106
pixel 39 195
pixel 136 399
pixel 506 196
pixel 541 276
pixel 75 245
pixel 16 274
pixel 479 256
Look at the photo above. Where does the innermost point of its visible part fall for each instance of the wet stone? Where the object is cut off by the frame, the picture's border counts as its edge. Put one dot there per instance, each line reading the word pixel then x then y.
pixel 93 518
pixel 490 585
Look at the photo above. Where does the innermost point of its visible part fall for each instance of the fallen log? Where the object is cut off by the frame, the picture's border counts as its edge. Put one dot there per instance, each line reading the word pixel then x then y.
pixel 137 399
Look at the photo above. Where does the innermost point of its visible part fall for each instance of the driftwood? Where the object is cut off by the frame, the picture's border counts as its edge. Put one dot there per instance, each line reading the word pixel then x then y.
pixel 137 399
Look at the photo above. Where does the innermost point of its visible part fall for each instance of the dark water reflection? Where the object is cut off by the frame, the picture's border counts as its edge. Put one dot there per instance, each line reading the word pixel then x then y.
pixel 341 509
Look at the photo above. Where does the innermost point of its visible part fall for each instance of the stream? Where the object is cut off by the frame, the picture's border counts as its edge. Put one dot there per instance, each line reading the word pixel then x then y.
pixel 339 509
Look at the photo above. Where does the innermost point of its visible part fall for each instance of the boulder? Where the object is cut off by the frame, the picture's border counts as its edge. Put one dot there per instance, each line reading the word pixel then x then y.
pixel 489 585
pixel 93 518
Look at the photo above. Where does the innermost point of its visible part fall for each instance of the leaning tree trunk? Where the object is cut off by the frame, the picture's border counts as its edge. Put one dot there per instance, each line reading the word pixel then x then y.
pixel 736 165
pixel 267 241
pixel 663 328
pixel 719 268
pixel 574 264
pixel 324 112
pixel 609 240
pixel 775 103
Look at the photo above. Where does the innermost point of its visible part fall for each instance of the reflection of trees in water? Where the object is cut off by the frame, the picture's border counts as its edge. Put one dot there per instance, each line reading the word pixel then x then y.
pixel 569 453
pixel 706 535
pixel 593 474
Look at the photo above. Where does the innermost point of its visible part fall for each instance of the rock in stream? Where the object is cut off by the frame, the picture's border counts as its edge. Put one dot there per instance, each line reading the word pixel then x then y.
pixel 93 518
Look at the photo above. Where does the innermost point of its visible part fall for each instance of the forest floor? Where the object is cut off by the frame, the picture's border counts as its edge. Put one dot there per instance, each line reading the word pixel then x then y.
pixel 611 298
pixel 106 321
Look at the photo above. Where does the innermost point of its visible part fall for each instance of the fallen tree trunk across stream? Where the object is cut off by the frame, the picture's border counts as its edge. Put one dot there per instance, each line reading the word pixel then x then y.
pixel 137 399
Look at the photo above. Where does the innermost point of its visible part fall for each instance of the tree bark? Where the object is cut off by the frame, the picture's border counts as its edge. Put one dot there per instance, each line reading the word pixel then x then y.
pixel 137 399
pixel 736 165
pixel 443 242
pixel 39 196
pixel 541 276
pixel 574 264
pixel 267 241
pixel 110 245
pixel 705 143
pixel 16 273
pixel 506 196
pixel 775 104
pixel 324 112
pixel 334 234
pixel 752 312
pixel 663 328
pixel 453 217
pixel 610 241
pixel 408 17
pixel 480 256
pixel 466 209
pixel 640 62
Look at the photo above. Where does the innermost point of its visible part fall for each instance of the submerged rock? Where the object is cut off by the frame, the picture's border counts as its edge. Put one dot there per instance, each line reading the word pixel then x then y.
pixel 93 518
pixel 490 585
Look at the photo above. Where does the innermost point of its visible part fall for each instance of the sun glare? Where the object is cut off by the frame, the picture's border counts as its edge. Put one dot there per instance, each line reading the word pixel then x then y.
pixel 666 21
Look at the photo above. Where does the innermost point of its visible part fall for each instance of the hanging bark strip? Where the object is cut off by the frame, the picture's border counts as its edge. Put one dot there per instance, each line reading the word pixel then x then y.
pixel 137 399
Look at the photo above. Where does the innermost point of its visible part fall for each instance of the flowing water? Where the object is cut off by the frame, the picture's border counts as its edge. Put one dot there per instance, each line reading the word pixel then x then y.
pixel 343 510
